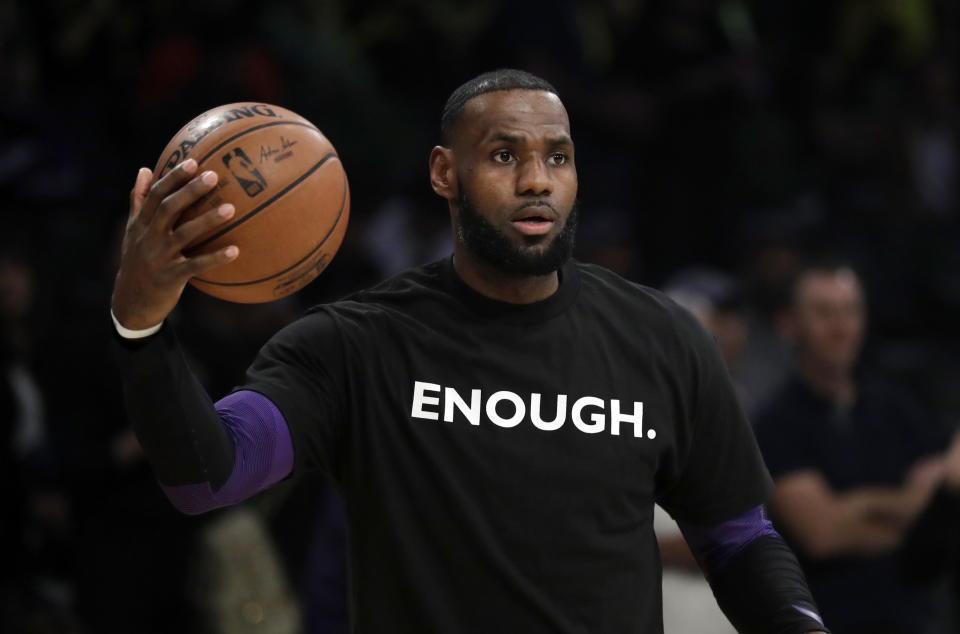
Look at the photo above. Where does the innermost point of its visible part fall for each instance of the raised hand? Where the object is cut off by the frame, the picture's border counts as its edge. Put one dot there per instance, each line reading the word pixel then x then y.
pixel 153 270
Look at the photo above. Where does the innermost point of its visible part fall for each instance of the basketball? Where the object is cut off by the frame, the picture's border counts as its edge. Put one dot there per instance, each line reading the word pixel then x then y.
pixel 289 189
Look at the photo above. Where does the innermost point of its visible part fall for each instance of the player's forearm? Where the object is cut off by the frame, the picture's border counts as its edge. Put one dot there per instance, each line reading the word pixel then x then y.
pixel 762 589
pixel 204 456
pixel 174 418
pixel 754 575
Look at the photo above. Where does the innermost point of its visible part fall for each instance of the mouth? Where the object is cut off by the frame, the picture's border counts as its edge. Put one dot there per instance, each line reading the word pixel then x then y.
pixel 534 220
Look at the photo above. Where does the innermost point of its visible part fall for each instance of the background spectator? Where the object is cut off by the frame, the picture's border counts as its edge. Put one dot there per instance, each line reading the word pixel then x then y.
pixel 854 462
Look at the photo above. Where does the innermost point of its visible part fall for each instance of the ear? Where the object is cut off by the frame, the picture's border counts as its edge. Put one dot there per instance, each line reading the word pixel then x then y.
pixel 443 172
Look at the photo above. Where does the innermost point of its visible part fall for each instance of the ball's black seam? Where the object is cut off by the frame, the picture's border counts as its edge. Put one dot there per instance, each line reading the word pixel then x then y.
pixel 254 128
pixel 253 212
pixel 343 203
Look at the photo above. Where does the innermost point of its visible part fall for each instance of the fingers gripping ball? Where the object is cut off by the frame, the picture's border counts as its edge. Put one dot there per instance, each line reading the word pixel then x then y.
pixel 289 189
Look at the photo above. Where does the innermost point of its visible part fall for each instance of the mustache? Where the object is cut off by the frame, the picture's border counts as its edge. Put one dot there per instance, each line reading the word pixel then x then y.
pixel 537 203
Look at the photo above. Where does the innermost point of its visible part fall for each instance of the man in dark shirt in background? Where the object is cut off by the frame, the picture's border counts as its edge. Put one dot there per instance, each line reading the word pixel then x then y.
pixel 854 462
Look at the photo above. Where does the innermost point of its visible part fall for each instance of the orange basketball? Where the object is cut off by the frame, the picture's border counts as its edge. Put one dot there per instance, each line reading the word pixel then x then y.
pixel 288 187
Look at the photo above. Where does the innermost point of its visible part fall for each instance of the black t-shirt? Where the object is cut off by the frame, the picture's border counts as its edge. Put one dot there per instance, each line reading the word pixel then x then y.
pixel 873 443
pixel 475 503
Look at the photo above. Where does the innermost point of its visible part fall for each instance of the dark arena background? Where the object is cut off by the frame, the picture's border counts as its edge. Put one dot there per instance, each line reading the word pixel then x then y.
pixel 720 144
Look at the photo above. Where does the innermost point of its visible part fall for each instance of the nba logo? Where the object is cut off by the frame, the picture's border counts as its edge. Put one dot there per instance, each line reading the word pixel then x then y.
pixel 242 169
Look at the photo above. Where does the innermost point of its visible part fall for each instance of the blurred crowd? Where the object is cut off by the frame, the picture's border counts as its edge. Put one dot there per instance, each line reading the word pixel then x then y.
pixel 786 170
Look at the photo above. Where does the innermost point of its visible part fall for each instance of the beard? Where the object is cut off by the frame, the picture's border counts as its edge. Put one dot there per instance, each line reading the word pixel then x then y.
pixel 494 247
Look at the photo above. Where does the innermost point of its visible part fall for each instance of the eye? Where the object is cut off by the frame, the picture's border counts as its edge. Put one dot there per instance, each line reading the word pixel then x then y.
pixel 502 156
pixel 558 158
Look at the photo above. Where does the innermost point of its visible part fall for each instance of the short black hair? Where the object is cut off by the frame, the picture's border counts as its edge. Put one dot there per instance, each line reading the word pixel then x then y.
pixel 821 263
pixel 495 80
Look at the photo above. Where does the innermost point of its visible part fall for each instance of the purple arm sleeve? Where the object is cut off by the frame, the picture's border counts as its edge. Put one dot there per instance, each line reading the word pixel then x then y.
pixel 263 454
pixel 766 581
pixel 714 545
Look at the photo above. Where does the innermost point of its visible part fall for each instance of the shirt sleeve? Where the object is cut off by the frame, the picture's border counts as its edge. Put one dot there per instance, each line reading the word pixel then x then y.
pixel 301 370
pixel 717 471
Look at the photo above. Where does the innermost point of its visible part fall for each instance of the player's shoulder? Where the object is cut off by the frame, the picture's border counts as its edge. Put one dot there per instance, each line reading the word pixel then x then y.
pixel 405 291
pixel 644 304
pixel 425 279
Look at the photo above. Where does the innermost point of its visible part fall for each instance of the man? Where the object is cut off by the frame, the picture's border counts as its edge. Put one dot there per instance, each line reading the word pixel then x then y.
pixel 854 462
pixel 500 423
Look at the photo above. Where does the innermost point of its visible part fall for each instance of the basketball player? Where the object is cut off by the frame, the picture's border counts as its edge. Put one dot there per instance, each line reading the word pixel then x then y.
pixel 500 422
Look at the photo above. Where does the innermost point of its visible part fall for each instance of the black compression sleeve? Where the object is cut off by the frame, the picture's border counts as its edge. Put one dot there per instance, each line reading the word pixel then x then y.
pixel 172 414
pixel 762 590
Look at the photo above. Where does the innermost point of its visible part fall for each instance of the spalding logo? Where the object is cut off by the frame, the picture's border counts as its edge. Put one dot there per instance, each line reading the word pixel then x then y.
pixel 203 125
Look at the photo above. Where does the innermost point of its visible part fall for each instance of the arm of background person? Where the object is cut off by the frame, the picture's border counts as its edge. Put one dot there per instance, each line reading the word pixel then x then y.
pixel 675 553
pixel 755 577
pixel 860 522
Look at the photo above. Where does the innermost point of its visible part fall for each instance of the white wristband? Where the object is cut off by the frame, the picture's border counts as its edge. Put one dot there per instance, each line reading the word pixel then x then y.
pixel 126 333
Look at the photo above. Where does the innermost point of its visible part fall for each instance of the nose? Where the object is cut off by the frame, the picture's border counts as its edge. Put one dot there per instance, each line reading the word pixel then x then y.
pixel 533 178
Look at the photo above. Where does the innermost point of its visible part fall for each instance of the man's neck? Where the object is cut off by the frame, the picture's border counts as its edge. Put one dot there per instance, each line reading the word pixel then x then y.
pixel 835 384
pixel 490 282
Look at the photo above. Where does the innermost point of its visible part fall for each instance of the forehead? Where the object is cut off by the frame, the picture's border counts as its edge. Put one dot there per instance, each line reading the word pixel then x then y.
pixel 525 113
pixel 837 285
